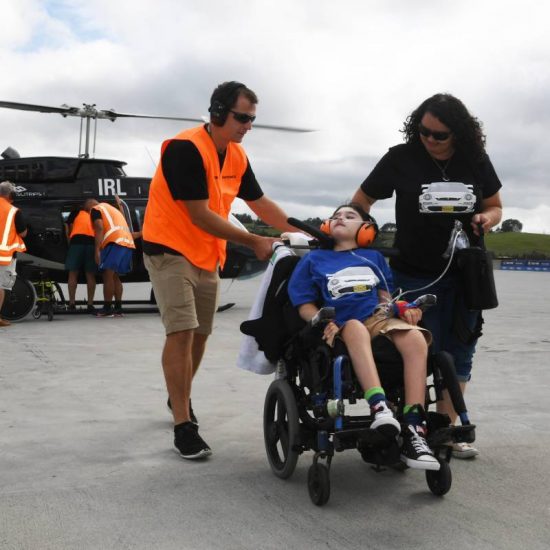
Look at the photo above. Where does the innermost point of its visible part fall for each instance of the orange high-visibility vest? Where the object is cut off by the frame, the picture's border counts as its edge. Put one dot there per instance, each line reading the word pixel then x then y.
pixel 115 228
pixel 167 221
pixel 82 225
pixel 10 240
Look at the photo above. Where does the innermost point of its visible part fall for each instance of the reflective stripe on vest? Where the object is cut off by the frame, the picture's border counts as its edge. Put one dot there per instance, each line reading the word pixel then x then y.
pixel 167 221
pixel 10 240
pixel 116 231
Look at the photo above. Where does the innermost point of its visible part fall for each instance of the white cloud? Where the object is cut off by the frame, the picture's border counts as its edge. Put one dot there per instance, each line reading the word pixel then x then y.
pixel 353 70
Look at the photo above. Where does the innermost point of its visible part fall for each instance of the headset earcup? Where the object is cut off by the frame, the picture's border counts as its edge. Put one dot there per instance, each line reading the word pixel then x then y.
pixel 366 235
pixel 325 227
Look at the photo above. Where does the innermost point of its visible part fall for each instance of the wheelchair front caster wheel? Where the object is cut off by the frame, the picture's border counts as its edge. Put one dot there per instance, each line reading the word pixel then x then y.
pixel 37 312
pixel 440 482
pixel 318 484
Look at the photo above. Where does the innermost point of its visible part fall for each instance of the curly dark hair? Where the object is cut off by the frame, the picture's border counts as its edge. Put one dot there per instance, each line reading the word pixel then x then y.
pixel 467 130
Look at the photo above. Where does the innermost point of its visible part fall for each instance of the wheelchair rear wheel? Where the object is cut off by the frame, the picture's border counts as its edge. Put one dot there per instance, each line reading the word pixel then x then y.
pixel 440 482
pixel 281 428
pixel 318 484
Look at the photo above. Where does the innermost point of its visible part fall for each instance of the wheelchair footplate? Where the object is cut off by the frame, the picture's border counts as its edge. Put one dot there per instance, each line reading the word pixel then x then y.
pixel 452 434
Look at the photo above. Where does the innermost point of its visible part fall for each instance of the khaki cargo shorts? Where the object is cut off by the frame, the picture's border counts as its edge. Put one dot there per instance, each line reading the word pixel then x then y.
pixel 380 324
pixel 187 296
pixel 8 275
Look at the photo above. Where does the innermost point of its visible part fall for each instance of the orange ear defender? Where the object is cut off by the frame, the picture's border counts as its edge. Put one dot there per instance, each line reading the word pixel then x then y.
pixel 366 235
pixel 325 227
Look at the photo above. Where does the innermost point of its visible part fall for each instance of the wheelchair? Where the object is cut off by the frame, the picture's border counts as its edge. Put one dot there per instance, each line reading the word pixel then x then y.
pixel 305 409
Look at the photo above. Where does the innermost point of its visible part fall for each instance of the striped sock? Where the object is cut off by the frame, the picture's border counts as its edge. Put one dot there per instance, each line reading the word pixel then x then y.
pixel 375 395
pixel 412 416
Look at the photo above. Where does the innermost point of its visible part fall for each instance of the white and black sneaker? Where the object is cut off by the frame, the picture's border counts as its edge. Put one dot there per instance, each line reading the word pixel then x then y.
pixel 188 443
pixel 415 452
pixel 384 421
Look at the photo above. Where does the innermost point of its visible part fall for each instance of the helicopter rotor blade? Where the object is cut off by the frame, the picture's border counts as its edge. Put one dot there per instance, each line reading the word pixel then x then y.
pixel 90 111
pixel 64 110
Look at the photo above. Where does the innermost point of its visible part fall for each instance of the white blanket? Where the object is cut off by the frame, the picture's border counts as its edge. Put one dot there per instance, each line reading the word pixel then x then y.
pixel 250 357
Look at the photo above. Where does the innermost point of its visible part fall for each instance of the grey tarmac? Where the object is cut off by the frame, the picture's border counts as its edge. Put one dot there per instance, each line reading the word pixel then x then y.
pixel 86 457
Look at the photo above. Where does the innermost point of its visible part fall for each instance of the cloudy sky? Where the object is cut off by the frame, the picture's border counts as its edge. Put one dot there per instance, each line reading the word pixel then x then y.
pixel 352 69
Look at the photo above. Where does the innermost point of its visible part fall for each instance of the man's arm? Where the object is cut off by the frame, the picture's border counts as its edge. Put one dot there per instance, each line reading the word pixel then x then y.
pixel 98 229
pixel 212 223
pixel 271 213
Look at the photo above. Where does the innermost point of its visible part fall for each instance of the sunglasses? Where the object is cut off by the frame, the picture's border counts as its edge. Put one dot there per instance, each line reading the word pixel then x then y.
pixel 438 136
pixel 243 118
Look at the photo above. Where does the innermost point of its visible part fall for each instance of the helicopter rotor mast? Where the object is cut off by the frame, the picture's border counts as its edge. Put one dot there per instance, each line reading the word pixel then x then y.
pixel 89 112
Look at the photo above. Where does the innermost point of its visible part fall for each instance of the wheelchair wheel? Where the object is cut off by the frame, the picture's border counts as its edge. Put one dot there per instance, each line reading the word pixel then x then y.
pixel 440 482
pixel 318 484
pixel 281 428
pixel 20 301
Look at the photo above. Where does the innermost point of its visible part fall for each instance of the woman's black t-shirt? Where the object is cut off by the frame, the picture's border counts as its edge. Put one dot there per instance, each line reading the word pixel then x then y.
pixel 422 238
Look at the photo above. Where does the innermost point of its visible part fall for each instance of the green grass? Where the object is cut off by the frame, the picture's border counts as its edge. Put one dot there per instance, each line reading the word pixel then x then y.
pixel 503 245
pixel 519 245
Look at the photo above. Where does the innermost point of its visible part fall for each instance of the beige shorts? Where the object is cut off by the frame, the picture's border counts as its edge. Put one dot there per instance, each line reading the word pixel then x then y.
pixel 380 324
pixel 187 296
pixel 8 275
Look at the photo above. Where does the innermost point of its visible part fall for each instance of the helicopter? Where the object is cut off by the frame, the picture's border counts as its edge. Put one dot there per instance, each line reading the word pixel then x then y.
pixel 48 188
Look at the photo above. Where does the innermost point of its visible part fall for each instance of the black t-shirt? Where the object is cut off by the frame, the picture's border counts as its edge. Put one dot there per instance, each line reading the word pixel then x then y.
pixel 20 223
pixel 422 238
pixel 183 169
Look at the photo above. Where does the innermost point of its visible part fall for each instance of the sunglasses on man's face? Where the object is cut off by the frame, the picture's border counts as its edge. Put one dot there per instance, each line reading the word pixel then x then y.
pixel 438 136
pixel 243 118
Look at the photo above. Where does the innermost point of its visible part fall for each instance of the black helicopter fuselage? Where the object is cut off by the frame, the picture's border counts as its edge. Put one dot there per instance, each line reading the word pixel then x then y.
pixel 49 188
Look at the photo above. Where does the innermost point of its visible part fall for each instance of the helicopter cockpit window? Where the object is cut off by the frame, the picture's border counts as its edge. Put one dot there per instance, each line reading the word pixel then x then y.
pixel 115 171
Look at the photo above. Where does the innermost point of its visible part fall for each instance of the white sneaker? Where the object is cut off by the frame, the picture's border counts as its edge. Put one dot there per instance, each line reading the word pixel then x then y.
pixel 415 452
pixel 464 450
pixel 384 421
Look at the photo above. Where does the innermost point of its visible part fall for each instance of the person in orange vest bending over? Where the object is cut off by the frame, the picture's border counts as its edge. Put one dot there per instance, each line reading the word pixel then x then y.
pixel 81 255
pixel 114 246
pixel 12 230
pixel 202 170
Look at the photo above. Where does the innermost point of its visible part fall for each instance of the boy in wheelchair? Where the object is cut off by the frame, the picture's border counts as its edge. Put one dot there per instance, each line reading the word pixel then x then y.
pixel 356 282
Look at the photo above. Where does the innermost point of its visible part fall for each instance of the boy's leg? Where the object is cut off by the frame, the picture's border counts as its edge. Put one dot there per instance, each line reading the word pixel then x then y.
pixel 357 339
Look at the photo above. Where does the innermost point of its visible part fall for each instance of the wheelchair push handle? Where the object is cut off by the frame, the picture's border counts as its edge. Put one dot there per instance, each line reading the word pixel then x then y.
pixel 323 316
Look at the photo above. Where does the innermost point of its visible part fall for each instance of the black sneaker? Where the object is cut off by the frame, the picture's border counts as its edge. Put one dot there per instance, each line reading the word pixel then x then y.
pixel 188 443
pixel 191 413
pixel 71 307
pixel 91 309
pixel 384 421
pixel 415 452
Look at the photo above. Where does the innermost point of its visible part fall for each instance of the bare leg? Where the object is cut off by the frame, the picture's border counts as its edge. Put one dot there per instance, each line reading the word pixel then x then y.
pixel 72 282
pixel 177 364
pixel 108 286
pixel 2 294
pixel 357 340
pixel 199 345
pixel 90 284
pixel 117 290
pixel 412 346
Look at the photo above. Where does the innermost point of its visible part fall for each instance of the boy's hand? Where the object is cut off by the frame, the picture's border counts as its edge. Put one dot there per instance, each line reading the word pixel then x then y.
pixel 330 332
pixel 411 315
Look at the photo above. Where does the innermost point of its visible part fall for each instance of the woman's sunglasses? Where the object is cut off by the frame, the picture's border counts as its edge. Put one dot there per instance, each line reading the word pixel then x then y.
pixel 243 118
pixel 438 136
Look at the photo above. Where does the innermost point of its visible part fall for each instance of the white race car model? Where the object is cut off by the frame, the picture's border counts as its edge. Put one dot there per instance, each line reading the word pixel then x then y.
pixel 447 197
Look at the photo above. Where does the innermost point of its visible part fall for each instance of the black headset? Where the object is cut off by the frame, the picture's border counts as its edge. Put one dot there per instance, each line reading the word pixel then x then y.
pixel 223 98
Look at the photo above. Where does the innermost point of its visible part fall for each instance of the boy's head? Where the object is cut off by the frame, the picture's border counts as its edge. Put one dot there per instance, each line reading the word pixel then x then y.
pixel 352 216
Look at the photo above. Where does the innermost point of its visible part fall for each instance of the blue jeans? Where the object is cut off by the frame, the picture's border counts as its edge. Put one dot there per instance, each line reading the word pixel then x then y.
pixel 441 319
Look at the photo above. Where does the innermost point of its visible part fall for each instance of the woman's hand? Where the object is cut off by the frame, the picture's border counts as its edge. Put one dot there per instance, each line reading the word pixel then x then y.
pixel 330 332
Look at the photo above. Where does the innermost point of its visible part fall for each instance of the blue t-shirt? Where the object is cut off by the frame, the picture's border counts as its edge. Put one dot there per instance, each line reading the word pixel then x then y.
pixel 347 280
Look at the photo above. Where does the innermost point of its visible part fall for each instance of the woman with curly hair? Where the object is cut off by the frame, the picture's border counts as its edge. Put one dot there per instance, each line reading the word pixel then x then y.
pixel 443 154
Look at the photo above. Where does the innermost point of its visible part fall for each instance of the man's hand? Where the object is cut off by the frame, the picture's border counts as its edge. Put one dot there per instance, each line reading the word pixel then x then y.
pixel 263 247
